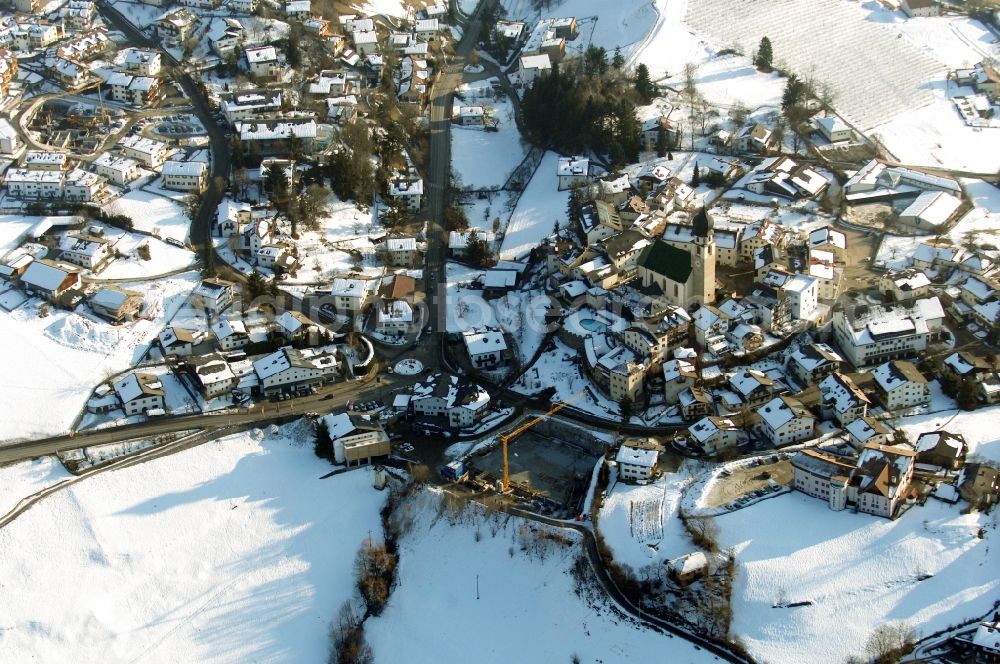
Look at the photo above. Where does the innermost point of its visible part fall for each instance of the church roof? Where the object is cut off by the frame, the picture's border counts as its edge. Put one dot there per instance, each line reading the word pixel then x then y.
pixel 667 260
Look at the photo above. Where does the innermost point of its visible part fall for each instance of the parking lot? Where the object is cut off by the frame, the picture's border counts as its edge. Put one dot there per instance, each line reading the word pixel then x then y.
pixel 746 480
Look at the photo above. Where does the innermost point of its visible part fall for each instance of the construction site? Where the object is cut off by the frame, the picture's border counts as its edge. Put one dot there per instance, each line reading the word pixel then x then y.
pixel 549 464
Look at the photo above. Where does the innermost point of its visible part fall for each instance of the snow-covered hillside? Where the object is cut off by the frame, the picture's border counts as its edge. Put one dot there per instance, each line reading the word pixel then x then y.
pixel 528 610
pixel 859 571
pixel 235 551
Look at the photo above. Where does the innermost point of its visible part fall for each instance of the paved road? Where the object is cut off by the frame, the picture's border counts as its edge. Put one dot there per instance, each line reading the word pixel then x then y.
pixel 439 171
pixel 623 602
pixel 325 399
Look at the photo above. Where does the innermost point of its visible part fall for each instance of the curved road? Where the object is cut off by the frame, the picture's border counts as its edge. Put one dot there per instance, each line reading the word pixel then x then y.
pixel 201 225
pixel 623 602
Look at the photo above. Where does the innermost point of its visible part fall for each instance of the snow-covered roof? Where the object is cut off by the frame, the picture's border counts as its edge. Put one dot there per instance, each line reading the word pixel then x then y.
pixel 633 456
pixel 536 61
pixel 135 386
pixel 573 166
pixel 841 392
pixel 932 207
pixel 484 340
pixel 262 54
pixel 225 328
pixel 260 130
pixel 188 168
pixel 779 411
pixel 891 375
pixel 45 275
pixel 864 429
pixel 110 297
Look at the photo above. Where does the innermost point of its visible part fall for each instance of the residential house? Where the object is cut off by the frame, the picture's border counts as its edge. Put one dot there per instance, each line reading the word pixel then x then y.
pixel 834 129
pixel 829 239
pixel 88 250
pixel 178 341
pixel 688 568
pixel 119 170
pixel 899 384
pixel 142 62
pixel 356 439
pixel 276 137
pixel 867 430
pixel 451 401
pixel 914 8
pixel 572 171
pixel 755 138
pixel 530 67
pixel 904 285
pixel 116 304
pixel 752 386
pixel 148 152
pixel 212 374
pixel 636 465
pixel 230 334
pixel 784 420
pixel 408 190
pixel 288 369
pixel 961 364
pixel 295 326
pixel 351 295
pixel 248 104
pixel 401 252
pixel 486 347
pixel 176 25
pixel 811 363
pixel 49 280
pixel 212 295
pixel 715 435
pixel 841 399
pixel 678 375
pixel 694 402
pixel 393 317
pixel 185 175
pixel 979 484
pixel 140 393
pixel 941 448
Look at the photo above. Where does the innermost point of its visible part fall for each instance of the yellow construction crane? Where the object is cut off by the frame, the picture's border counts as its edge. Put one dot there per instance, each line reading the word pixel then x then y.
pixel 506 438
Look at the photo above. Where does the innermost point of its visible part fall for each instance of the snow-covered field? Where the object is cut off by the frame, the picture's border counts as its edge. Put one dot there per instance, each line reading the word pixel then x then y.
pixel 234 551
pixel 22 479
pixel 153 213
pixel 978 427
pixel 483 158
pixel 163 257
pixel 858 570
pixel 641 524
pixel 345 227
pixel 599 22
pixel 981 225
pixel 540 206
pixel 895 251
pixel 53 362
pixel 527 611
pixel 936 135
